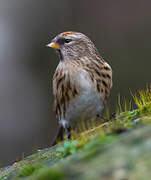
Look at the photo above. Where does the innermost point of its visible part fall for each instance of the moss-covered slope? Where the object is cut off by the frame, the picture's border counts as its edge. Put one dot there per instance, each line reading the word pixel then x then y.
pixel 117 149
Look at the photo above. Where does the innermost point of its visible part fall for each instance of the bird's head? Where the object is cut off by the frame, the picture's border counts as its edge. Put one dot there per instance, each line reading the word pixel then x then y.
pixel 72 45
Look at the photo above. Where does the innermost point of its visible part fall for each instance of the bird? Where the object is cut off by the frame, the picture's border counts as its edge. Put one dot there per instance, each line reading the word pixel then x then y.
pixel 81 82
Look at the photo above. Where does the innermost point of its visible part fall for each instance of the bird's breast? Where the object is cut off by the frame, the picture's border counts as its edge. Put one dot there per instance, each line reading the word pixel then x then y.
pixel 87 103
pixel 82 80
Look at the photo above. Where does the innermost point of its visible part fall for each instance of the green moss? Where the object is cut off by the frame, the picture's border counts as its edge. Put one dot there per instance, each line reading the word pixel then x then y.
pixel 93 146
pixel 3 175
pixel 49 173
pixel 29 169
pixel 68 148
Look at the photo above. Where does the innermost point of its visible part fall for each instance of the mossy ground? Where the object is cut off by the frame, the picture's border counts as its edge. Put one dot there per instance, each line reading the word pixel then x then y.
pixel 86 155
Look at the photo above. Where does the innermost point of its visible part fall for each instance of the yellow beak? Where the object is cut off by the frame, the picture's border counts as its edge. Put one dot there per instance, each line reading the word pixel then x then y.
pixel 53 45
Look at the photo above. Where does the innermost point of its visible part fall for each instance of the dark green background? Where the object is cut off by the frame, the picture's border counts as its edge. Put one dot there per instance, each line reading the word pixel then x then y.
pixel 121 30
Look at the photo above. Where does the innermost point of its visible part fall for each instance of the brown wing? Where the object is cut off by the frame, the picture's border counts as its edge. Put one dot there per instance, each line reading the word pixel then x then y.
pixel 105 82
pixel 101 76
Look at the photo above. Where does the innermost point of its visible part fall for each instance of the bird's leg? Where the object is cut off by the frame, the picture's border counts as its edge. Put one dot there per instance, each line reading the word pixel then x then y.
pixel 64 123
pixel 68 132
pixel 101 117
pixel 113 115
pixel 59 136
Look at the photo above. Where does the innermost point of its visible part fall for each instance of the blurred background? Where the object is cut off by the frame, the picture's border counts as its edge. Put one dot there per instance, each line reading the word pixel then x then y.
pixel 121 30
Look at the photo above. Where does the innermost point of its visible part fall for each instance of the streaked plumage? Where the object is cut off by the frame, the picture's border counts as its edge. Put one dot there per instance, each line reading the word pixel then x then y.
pixel 82 80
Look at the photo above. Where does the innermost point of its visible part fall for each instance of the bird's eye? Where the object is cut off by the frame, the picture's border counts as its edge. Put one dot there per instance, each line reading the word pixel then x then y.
pixel 67 40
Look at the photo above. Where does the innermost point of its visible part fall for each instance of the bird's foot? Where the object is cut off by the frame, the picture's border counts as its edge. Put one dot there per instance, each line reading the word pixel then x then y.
pixel 67 132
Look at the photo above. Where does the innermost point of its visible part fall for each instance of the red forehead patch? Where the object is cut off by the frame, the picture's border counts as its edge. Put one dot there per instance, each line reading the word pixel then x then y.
pixel 68 32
